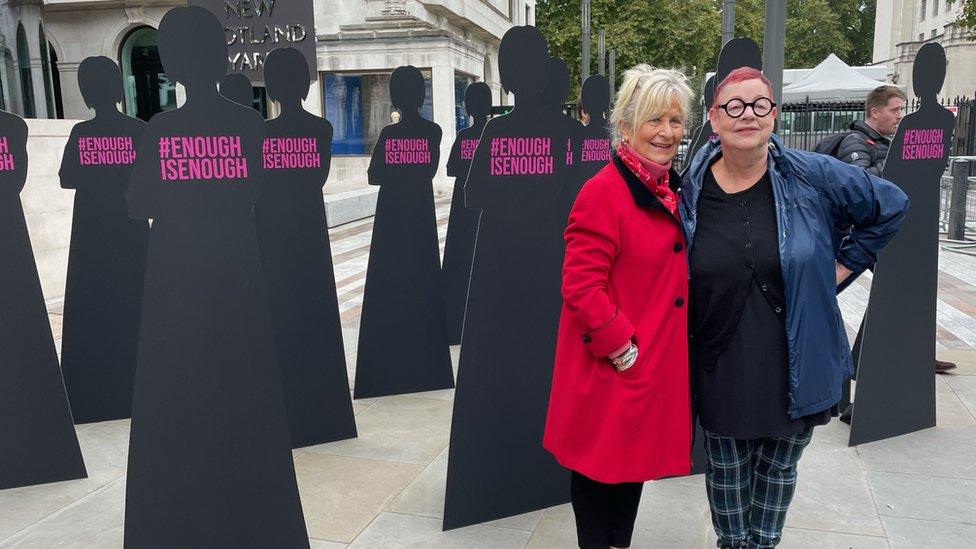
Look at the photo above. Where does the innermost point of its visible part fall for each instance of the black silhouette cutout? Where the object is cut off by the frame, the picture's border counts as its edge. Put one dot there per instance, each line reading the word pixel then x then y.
pixel 737 53
pixel 462 226
pixel 553 97
pixel 210 463
pixel 403 344
pixel 237 87
pixel 297 260
pixel 37 436
pixel 107 259
pixel 594 138
pixel 895 386
pixel 497 466
pixel 703 133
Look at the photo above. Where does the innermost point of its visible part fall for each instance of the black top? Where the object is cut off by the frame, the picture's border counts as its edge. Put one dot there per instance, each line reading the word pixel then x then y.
pixel 740 356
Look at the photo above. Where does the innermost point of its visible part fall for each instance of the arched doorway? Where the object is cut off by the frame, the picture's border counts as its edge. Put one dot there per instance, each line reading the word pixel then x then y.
pixel 23 65
pixel 147 89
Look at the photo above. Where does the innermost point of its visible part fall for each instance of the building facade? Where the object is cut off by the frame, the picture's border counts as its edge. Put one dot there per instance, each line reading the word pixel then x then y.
pixel 358 45
pixel 903 26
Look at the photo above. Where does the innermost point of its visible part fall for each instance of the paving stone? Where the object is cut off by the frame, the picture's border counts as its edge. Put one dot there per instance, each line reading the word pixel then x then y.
pixel 396 531
pixel 94 522
pixel 403 429
pixel 924 497
pixel 906 533
pixel 341 496
pixel 943 451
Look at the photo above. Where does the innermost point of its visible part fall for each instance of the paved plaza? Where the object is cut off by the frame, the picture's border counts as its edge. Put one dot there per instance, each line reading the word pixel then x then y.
pixel 386 488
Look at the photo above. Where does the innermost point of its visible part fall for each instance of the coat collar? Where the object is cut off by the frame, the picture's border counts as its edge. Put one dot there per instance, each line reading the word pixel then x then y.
pixel 861 126
pixel 643 196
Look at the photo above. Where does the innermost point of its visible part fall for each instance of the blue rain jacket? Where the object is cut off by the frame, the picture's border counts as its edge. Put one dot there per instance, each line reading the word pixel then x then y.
pixel 826 211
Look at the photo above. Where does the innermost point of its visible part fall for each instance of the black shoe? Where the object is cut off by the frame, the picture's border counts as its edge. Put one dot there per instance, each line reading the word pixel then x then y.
pixel 942 367
pixel 845 416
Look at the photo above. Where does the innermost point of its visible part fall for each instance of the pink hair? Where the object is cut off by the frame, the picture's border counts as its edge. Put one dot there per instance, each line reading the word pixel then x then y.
pixel 741 74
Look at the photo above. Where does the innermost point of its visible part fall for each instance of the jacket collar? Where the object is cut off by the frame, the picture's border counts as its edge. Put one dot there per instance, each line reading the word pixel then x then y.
pixel 863 127
pixel 713 150
pixel 643 196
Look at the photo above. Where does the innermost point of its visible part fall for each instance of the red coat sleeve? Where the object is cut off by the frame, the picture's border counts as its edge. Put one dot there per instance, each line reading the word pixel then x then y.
pixel 592 245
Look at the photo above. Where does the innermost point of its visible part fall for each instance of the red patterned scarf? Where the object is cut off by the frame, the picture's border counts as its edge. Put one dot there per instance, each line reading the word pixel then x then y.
pixel 654 176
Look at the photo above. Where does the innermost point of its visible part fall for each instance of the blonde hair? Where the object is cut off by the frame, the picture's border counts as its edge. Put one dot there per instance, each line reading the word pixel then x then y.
pixel 645 94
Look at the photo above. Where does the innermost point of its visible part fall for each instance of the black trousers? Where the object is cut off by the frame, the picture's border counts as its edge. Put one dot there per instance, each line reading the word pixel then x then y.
pixel 605 513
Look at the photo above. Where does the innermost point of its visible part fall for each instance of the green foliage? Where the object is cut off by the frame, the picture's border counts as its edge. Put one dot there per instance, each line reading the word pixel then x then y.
pixel 686 34
pixel 856 18
pixel 658 32
pixel 968 17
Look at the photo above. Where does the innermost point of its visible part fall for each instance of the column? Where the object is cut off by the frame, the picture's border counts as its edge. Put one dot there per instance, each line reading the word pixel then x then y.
pixel 442 87
pixel 74 103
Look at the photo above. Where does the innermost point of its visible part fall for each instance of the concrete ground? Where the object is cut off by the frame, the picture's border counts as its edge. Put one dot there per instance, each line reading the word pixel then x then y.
pixel 386 488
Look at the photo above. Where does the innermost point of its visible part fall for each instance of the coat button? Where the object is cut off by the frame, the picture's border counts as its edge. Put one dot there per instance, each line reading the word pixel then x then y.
pixel 764 287
pixel 587 339
pixel 677 247
pixel 679 302
pixel 778 309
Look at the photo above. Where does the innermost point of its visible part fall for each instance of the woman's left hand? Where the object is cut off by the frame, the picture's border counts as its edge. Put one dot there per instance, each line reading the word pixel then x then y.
pixel 842 272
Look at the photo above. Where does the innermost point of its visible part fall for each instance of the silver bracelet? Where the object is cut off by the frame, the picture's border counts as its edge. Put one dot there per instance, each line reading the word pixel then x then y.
pixel 627 358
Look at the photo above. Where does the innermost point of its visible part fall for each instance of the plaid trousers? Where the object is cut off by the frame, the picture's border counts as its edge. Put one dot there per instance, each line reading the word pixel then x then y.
pixel 750 485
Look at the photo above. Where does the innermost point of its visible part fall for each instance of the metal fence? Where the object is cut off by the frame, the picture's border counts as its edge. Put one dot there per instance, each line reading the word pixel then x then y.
pixel 804 125
pixel 945 197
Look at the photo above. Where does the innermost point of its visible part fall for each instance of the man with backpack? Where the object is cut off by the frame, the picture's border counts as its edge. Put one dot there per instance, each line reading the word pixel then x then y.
pixel 866 145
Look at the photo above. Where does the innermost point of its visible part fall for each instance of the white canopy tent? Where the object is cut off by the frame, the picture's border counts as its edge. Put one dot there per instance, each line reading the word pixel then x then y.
pixel 831 80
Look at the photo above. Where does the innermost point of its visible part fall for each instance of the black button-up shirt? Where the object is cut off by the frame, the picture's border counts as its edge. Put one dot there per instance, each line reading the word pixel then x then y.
pixel 740 354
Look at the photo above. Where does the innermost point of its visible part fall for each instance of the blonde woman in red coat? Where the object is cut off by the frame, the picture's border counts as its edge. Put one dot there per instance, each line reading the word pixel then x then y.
pixel 620 411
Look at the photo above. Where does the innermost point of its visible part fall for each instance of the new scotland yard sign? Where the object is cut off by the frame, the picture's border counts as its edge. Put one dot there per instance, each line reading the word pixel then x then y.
pixel 253 28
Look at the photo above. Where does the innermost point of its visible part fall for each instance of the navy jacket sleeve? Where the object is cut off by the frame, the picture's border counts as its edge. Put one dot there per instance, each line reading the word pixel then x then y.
pixel 874 208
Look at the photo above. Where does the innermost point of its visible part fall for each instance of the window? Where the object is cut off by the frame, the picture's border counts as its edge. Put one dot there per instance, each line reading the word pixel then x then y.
pixel 461 83
pixel 921 14
pixel 921 37
pixel 933 33
pixel 46 71
pixel 358 105
pixel 935 7
pixel 23 65
pixel 56 82
pixel 145 87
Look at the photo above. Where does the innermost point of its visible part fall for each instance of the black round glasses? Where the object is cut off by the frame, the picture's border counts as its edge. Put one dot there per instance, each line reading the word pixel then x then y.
pixel 760 107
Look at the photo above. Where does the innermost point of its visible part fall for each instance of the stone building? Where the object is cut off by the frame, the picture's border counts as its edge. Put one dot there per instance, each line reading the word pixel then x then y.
pixel 902 26
pixel 358 44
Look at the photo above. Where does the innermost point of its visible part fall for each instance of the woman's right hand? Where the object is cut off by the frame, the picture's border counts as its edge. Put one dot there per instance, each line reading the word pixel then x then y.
pixel 624 359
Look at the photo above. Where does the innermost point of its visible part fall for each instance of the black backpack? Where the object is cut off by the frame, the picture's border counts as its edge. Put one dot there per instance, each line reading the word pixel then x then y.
pixel 831 144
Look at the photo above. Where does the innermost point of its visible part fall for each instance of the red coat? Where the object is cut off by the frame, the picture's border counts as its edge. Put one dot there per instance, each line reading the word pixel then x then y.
pixel 625 276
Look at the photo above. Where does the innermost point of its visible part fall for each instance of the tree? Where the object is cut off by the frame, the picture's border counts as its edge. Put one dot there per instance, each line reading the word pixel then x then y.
pixel 667 33
pixel 857 24
pixel 686 34
pixel 968 17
